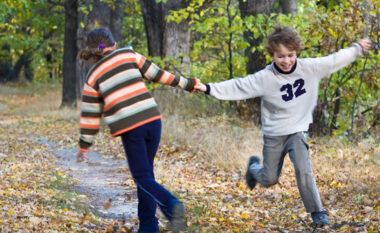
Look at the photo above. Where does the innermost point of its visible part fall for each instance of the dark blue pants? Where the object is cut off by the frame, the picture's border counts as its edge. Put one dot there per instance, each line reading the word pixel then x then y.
pixel 140 146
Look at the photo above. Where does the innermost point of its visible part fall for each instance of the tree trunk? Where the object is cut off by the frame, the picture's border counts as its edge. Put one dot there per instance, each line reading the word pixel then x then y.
pixel 116 24
pixel 69 97
pixel 21 62
pixel 5 64
pixel 154 21
pixel 289 6
pixel 177 37
pixel 256 60
pixel 101 15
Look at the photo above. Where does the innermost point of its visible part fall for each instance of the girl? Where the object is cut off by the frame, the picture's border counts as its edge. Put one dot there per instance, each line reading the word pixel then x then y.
pixel 115 90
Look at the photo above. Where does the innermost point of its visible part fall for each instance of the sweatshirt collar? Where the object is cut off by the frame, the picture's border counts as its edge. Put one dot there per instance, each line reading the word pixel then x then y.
pixel 287 72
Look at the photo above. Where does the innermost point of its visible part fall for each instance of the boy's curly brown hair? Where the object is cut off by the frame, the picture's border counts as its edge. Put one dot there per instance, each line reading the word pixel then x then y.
pixel 285 35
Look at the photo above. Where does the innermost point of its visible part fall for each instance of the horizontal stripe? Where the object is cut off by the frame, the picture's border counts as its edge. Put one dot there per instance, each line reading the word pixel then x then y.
pixel 85 131
pixel 125 67
pixel 91 107
pixel 92 99
pixel 131 110
pixel 158 75
pixel 91 114
pixel 152 71
pixel 87 138
pixel 127 102
pixel 136 125
pixel 122 85
pixel 89 126
pixel 109 56
pixel 117 78
pixel 85 92
pixel 175 82
pixel 145 66
pixel 125 92
pixel 132 120
pixel 110 64
pixel 166 78
pixel 90 120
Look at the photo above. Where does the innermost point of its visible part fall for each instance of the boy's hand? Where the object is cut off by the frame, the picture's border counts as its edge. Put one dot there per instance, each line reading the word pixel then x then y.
pixel 81 156
pixel 366 44
pixel 200 86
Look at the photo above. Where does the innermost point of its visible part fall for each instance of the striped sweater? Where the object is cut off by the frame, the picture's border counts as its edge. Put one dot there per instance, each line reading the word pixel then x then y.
pixel 115 90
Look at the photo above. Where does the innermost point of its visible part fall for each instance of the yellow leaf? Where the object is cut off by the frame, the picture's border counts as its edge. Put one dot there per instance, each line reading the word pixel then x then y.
pixel 61 173
pixel 10 213
pixel 378 208
pixel 241 186
pixel 229 206
pixel 244 215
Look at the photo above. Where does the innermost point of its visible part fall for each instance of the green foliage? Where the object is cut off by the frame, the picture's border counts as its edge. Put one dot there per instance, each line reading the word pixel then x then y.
pixel 325 28
pixel 133 28
pixel 34 28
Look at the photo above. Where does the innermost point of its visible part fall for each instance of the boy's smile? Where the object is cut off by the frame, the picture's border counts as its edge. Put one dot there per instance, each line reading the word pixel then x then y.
pixel 284 58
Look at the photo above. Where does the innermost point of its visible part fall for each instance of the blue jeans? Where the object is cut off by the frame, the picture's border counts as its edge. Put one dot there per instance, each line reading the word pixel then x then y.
pixel 140 145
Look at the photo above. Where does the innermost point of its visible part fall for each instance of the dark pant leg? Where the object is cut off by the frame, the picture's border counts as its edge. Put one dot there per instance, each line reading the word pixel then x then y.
pixel 140 145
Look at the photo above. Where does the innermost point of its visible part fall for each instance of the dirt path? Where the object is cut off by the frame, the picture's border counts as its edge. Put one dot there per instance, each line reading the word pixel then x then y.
pixel 100 180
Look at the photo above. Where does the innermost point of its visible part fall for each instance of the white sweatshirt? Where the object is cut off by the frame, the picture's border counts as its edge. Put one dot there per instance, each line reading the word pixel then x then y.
pixel 287 100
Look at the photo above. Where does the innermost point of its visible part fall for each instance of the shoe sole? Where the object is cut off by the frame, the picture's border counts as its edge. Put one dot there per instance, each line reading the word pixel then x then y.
pixel 178 222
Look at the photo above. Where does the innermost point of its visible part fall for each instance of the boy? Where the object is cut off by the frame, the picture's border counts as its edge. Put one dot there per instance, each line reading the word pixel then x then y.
pixel 288 88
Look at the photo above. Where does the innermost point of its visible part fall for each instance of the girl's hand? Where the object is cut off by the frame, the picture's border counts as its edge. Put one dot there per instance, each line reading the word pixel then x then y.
pixel 200 86
pixel 366 44
pixel 81 156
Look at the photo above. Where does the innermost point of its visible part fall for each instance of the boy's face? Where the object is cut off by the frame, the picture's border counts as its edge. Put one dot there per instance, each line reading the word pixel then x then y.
pixel 284 58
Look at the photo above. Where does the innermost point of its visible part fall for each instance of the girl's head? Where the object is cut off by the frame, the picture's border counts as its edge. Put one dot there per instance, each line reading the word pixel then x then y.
pixel 98 41
pixel 283 45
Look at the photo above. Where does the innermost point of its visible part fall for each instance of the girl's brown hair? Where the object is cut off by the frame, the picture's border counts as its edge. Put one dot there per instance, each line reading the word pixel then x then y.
pixel 97 40
pixel 285 35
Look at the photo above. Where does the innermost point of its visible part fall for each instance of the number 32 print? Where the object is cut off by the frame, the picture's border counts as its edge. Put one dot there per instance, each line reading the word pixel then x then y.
pixel 288 88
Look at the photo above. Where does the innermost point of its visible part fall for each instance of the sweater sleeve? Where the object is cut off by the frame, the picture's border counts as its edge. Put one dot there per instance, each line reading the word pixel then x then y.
pixel 248 87
pixel 91 113
pixel 324 66
pixel 152 72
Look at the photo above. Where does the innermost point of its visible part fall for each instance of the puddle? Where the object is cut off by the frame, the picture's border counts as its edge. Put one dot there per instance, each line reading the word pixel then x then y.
pixel 100 180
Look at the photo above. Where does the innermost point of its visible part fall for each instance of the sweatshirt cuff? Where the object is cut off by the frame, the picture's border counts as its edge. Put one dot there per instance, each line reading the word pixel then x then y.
pixel 357 45
pixel 208 88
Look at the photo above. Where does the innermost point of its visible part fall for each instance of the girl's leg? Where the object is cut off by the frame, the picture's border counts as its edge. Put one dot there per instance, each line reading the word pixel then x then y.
pixel 273 153
pixel 140 146
pixel 298 151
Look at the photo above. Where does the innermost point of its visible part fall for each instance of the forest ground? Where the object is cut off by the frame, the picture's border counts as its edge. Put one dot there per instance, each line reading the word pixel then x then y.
pixel 202 160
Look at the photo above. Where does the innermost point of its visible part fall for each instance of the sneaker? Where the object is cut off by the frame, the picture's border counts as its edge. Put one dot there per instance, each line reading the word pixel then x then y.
pixel 251 181
pixel 178 221
pixel 320 219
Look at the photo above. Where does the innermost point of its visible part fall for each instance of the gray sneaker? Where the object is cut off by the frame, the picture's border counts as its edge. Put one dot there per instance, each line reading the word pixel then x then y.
pixel 320 218
pixel 251 181
pixel 178 221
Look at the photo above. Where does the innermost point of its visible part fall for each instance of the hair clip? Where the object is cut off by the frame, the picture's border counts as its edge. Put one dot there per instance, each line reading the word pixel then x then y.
pixel 101 46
